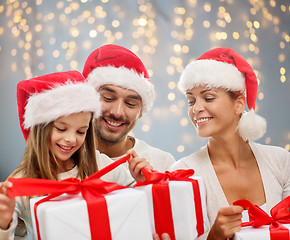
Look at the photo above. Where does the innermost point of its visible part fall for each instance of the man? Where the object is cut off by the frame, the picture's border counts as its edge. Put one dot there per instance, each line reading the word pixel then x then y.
pixel 126 95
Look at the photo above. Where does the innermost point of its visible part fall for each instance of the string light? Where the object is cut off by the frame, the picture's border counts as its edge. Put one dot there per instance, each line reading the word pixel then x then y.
pixel 26 22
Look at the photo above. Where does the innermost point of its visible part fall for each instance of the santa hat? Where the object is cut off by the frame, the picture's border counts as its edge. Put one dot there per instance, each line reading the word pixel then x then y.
pixel 43 99
pixel 225 68
pixel 113 64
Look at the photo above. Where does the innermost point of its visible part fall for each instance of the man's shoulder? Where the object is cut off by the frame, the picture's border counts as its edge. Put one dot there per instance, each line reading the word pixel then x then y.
pixel 141 147
pixel 159 159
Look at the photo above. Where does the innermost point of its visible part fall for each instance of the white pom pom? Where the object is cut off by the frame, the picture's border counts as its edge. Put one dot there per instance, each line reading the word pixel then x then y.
pixel 251 126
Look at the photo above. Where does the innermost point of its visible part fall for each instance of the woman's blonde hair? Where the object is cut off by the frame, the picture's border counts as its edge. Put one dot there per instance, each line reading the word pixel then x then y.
pixel 39 162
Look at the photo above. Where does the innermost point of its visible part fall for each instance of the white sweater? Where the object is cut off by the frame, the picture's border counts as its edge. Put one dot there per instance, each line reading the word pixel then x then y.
pixel 274 166
pixel 159 159
pixel 22 209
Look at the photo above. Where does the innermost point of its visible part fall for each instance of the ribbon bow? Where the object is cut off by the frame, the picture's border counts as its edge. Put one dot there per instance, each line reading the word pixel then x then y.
pixel 91 188
pixel 153 177
pixel 279 214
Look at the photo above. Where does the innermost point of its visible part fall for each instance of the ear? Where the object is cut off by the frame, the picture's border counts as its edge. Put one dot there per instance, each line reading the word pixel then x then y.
pixel 240 104
pixel 140 115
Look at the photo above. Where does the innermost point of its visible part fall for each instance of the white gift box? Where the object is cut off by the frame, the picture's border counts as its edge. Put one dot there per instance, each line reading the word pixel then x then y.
pixel 183 208
pixel 260 233
pixel 66 217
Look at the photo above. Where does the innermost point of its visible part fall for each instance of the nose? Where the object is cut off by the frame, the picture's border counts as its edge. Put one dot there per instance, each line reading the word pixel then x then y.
pixel 70 138
pixel 118 109
pixel 198 106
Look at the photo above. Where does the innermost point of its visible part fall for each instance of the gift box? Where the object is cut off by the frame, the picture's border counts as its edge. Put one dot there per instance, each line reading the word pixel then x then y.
pixel 275 226
pixel 260 233
pixel 66 217
pixel 85 209
pixel 177 203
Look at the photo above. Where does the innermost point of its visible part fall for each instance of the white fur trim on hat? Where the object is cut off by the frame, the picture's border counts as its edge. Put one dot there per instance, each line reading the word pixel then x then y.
pixel 212 73
pixel 251 126
pixel 125 78
pixel 61 100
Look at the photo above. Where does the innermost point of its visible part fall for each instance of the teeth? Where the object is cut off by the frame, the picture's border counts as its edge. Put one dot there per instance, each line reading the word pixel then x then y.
pixel 66 148
pixel 114 124
pixel 201 120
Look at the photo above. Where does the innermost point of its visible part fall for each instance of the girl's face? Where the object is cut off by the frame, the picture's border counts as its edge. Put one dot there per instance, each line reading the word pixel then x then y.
pixel 212 111
pixel 68 134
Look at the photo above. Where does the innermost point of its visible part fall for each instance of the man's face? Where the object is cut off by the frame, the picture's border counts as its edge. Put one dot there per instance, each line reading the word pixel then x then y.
pixel 121 109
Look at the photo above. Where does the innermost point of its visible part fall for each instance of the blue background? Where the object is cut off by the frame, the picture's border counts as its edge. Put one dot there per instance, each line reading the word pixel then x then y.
pixel 41 37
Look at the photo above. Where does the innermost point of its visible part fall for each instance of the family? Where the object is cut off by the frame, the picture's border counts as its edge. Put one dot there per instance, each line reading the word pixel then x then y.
pixel 76 123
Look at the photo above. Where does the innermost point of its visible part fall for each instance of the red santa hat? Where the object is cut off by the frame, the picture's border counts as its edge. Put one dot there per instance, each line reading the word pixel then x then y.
pixel 43 99
pixel 113 64
pixel 225 68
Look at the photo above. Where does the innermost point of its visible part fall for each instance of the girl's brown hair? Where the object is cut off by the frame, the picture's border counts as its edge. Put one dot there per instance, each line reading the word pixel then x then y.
pixel 39 162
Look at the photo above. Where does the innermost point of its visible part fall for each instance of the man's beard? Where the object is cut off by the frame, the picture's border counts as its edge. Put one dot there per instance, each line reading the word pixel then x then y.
pixel 109 139
pixel 112 137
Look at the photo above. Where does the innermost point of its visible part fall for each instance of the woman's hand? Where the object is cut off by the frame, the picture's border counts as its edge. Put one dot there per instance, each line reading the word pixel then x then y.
pixel 227 222
pixel 164 236
pixel 136 163
pixel 7 205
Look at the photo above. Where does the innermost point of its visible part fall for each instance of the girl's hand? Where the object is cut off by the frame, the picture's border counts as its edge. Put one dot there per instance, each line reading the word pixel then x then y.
pixel 7 205
pixel 227 222
pixel 164 236
pixel 136 163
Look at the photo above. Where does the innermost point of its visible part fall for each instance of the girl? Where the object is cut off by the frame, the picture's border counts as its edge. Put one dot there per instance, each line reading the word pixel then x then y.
pixel 55 114
pixel 232 165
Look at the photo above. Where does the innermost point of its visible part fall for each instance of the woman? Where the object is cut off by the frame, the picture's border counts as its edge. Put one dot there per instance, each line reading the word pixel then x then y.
pixel 232 165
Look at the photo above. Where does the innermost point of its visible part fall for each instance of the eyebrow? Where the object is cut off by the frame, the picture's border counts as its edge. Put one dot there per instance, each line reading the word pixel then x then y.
pixel 136 97
pixel 202 92
pixel 133 96
pixel 206 90
pixel 107 89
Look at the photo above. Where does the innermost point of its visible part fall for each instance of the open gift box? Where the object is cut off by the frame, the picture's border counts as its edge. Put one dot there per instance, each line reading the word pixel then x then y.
pixel 177 203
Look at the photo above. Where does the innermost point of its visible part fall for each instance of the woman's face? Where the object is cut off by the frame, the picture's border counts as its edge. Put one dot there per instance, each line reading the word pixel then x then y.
pixel 212 111
pixel 68 134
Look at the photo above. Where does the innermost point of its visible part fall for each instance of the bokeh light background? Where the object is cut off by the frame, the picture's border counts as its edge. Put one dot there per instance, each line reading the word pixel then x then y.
pixel 44 36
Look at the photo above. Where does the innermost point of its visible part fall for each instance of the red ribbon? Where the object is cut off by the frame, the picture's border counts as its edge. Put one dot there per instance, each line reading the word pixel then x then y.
pixel 279 214
pixel 161 198
pixel 91 188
